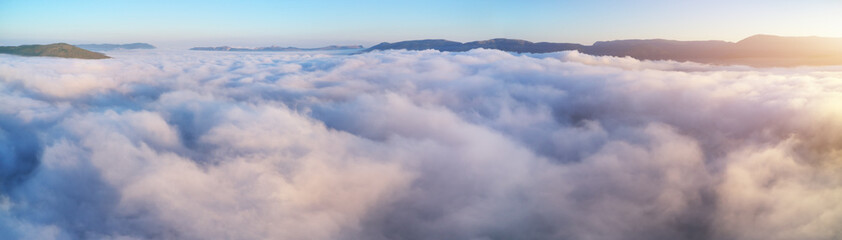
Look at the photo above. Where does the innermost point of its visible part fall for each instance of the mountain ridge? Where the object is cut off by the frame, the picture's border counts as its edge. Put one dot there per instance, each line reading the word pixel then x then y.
pixel 511 45
pixel 277 48
pixel 760 50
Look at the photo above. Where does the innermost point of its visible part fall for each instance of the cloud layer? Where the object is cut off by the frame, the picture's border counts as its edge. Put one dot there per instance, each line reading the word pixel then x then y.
pixel 416 145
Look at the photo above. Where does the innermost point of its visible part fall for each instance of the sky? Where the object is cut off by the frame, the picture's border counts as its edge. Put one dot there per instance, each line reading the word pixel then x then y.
pixel 315 23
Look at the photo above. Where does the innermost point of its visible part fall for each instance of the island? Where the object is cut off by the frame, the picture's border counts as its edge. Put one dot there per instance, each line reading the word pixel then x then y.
pixel 62 50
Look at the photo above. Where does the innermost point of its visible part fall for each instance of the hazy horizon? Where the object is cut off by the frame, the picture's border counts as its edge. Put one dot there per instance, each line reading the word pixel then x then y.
pixel 185 46
pixel 181 24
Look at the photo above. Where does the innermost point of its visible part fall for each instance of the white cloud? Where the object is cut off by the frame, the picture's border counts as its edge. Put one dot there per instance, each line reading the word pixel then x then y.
pixel 416 145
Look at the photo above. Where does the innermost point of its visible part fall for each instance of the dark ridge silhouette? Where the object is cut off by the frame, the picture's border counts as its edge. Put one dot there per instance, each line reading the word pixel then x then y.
pixel 109 47
pixel 522 46
pixel 758 50
pixel 62 50
pixel 277 49
pixel 437 44
pixel 510 45
pixel 660 49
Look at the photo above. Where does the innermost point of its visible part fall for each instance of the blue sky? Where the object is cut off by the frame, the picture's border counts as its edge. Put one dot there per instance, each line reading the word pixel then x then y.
pixel 315 23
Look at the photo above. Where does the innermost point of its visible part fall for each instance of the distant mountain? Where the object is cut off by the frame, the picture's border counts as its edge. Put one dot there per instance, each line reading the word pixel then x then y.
pixel 522 46
pixel 510 45
pixel 223 48
pixel 776 46
pixel 758 50
pixel 109 47
pixel 277 49
pixel 437 44
pixel 63 50
pixel 660 49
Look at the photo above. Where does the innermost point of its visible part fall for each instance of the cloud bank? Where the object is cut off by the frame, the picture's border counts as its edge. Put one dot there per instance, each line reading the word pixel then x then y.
pixel 416 145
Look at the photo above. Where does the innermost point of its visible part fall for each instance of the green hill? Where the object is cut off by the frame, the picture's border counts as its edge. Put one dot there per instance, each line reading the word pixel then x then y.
pixel 63 50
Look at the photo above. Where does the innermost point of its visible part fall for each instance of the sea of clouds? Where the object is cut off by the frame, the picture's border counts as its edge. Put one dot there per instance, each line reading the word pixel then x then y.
pixel 416 145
